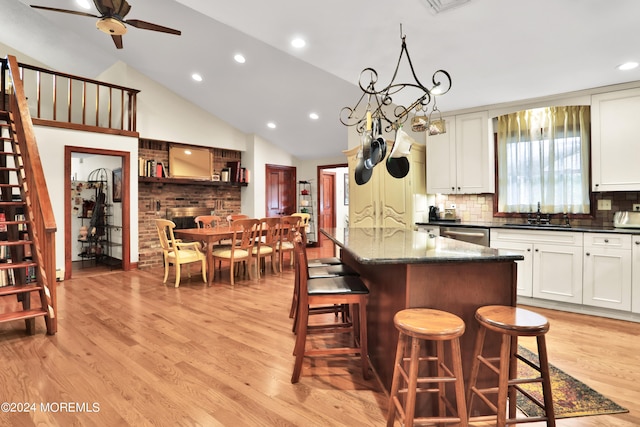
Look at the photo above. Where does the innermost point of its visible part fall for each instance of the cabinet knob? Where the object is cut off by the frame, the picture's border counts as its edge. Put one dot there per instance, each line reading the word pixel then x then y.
pixel 637 242
pixel 597 185
pixel 528 249
pixel 606 240
pixel 587 254
pixel 453 188
pixel 537 250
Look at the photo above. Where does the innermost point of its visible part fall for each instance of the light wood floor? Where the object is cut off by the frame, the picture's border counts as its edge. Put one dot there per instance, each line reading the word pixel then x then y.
pixel 151 355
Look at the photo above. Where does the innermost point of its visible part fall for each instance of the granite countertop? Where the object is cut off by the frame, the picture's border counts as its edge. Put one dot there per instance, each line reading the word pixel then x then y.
pixel 403 246
pixel 550 227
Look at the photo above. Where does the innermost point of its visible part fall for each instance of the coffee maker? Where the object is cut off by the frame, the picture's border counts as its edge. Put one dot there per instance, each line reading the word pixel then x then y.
pixel 434 213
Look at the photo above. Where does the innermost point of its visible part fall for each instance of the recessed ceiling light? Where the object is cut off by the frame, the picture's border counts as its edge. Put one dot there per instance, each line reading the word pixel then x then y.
pixel 197 77
pixel 298 42
pixel 628 66
pixel 84 4
pixel 239 58
pixel 314 116
pixel 271 125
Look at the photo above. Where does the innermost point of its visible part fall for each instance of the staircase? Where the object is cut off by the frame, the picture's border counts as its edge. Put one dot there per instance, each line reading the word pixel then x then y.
pixel 27 227
pixel 18 266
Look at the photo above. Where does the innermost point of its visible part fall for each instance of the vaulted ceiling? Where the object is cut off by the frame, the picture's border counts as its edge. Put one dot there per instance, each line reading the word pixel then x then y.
pixel 495 50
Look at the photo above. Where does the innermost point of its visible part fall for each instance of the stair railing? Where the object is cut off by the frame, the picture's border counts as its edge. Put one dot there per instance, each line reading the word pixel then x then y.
pixel 37 204
pixel 64 100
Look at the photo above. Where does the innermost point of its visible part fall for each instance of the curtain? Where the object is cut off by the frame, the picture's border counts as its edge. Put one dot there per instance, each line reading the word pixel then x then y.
pixel 543 157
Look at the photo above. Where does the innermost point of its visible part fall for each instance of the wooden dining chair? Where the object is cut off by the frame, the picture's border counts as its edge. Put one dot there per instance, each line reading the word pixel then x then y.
pixel 305 219
pixel 245 234
pixel 289 225
pixel 177 252
pixel 208 221
pixel 212 221
pixel 267 244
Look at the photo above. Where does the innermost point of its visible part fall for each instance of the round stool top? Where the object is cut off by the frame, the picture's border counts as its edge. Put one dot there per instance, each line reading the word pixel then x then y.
pixel 429 324
pixel 512 320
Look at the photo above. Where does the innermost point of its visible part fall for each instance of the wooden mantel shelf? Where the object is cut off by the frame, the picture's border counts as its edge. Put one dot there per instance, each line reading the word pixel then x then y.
pixel 190 181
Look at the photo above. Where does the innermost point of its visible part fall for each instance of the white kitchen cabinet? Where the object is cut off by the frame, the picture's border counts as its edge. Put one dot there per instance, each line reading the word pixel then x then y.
pixel 615 141
pixel 635 273
pixel 556 262
pixel 461 161
pixel 525 267
pixel 385 201
pixel 607 271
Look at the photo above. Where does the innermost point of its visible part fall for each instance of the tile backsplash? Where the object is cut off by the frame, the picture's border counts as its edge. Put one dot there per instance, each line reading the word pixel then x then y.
pixel 479 207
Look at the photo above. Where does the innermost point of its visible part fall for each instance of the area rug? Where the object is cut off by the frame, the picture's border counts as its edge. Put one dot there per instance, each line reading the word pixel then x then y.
pixel 571 398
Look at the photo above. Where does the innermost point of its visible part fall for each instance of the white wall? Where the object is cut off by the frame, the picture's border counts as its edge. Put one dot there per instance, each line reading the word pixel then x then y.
pixel 260 153
pixel 166 116
pixel 51 143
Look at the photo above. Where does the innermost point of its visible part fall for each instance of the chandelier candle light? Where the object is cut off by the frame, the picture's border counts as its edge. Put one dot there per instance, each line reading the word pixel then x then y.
pixel 378 110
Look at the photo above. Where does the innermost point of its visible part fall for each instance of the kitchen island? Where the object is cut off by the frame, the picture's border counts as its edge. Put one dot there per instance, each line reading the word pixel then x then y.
pixel 407 269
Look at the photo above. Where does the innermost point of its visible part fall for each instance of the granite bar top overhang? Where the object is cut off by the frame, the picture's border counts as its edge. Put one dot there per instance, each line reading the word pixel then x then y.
pixel 399 245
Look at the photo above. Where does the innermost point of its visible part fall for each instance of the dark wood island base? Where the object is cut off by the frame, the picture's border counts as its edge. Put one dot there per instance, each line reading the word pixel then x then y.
pixel 408 269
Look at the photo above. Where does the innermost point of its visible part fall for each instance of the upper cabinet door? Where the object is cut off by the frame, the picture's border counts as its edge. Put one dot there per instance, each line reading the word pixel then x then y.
pixel 461 160
pixel 441 160
pixel 474 154
pixel 615 141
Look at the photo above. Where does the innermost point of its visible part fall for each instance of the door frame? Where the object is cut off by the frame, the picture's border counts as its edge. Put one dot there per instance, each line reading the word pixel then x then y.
pixel 126 203
pixel 320 169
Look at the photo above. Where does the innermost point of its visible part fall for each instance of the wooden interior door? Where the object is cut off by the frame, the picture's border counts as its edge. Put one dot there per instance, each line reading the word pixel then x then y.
pixel 280 190
pixel 327 211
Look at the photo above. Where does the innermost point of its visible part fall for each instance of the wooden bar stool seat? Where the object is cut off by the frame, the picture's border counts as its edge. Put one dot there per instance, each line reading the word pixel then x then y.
pixel 419 325
pixel 510 323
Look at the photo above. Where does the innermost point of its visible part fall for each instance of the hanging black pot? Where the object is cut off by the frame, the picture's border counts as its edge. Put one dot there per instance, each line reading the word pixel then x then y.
pixel 362 172
pixel 398 167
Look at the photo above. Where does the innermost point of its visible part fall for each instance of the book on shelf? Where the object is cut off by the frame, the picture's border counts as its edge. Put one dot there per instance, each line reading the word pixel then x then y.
pixel 234 171
pixel 3 218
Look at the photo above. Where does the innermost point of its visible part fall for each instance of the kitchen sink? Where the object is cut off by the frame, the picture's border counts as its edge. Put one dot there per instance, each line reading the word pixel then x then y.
pixel 509 224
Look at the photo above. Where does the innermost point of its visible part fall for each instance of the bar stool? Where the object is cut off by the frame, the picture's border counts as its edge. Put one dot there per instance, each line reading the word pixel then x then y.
pixel 510 322
pixel 423 324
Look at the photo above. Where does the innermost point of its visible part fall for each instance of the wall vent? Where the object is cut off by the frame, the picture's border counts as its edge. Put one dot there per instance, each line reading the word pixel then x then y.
pixel 438 6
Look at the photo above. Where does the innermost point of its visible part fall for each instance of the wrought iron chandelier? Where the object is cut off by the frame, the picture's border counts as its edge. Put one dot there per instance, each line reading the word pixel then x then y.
pixel 377 100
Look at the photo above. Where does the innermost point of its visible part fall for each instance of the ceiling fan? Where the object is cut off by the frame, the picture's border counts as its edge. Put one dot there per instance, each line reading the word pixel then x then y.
pixel 111 20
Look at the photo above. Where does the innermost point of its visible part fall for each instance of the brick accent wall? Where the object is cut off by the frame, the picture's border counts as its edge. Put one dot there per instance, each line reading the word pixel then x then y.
pixel 154 198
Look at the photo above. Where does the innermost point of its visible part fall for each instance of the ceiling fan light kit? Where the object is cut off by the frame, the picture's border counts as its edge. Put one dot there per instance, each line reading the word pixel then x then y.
pixel 111 19
pixel 111 26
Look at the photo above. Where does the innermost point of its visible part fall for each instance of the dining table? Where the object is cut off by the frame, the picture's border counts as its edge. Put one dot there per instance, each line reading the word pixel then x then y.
pixel 209 236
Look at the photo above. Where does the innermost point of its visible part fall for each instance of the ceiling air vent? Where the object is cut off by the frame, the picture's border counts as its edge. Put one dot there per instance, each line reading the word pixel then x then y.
pixel 438 6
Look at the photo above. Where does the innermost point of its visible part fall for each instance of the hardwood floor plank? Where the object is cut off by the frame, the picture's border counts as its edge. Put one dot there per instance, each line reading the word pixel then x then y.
pixel 154 355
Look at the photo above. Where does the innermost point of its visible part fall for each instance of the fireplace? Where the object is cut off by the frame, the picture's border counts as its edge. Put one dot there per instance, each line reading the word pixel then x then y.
pixel 185 217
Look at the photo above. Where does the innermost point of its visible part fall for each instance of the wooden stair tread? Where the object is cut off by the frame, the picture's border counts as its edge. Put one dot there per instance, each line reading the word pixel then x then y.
pixel 14 222
pixel 20 315
pixel 22 264
pixel 19 289
pixel 14 242
pixel 12 203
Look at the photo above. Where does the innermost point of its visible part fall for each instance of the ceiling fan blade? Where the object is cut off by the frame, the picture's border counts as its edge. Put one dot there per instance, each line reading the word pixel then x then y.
pixel 117 40
pixel 153 27
pixel 113 7
pixel 105 7
pixel 73 12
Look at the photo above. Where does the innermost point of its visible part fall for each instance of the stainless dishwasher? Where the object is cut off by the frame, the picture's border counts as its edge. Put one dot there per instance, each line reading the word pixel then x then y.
pixel 475 235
